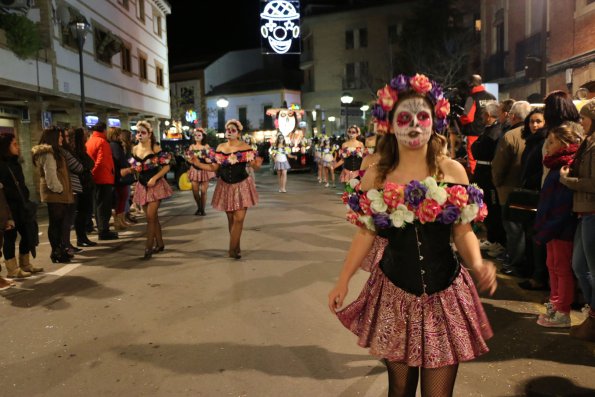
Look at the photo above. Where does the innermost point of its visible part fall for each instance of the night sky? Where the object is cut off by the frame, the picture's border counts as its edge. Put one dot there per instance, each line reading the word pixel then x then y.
pixel 199 29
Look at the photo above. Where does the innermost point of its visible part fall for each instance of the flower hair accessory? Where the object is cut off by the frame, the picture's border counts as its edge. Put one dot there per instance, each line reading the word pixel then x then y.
pixel 420 84
pixel 235 122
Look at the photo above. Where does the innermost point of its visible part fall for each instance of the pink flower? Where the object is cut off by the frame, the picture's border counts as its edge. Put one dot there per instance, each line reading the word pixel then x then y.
pixel 364 204
pixel 482 213
pixel 353 218
pixel 428 210
pixel 250 156
pixel 457 195
pixel 386 97
pixel 442 108
pixel 345 197
pixel 382 127
pixel 421 84
pixel 394 194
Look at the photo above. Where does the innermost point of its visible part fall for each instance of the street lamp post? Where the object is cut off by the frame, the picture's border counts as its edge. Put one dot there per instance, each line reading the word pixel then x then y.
pixel 346 99
pixel 222 104
pixel 331 120
pixel 80 29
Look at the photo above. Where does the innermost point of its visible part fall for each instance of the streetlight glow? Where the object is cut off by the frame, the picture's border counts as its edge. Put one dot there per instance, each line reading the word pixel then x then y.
pixel 331 118
pixel 222 102
pixel 364 108
pixel 346 99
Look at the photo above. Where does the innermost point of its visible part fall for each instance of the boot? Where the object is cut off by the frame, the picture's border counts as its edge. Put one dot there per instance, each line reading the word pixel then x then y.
pixel 13 270
pixel 584 331
pixel 130 218
pixel 28 266
pixel 119 223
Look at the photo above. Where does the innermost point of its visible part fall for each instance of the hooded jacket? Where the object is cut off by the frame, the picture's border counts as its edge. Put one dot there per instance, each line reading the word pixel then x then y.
pixel 583 181
pixel 99 150
pixel 54 178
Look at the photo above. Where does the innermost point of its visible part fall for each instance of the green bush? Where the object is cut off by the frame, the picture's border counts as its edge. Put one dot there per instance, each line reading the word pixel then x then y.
pixel 22 35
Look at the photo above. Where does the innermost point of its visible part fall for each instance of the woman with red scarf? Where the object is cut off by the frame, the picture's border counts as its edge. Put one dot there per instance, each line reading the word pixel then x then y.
pixel 555 224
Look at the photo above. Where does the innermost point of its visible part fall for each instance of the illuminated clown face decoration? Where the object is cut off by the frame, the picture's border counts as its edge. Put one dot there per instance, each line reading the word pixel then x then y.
pixel 280 28
pixel 412 123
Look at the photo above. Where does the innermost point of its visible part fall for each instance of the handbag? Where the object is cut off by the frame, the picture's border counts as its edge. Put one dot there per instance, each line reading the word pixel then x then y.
pixel 521 205
pixel 30 226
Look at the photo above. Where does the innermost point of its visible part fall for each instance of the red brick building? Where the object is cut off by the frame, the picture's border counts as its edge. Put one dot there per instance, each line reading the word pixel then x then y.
pixel 531 47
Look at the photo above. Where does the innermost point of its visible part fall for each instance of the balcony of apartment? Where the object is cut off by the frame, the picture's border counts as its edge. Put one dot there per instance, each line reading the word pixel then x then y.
pixel 306 59
pixel 529 47
pixel 494 66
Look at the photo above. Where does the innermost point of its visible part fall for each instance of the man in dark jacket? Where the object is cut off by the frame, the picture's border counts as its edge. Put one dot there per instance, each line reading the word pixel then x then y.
pixel 472 119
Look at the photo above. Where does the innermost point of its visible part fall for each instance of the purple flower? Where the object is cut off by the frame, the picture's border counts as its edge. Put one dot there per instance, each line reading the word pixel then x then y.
pixel 415 193
pixel 475 195
pixel 440 124
pixel 436 92
pixel 400 83
pixel 378 112
pixel 381 220
pixel 353 202
pixel 449 214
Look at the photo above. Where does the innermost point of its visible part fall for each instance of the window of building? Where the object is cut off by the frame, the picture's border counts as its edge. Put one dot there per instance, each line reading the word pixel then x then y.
pixel 221 119
pixel 124 3
pixel 243 116
pixel 140 10
pixel 268 123
pixel 159 75
pixel 356 75
pixel 104 44
pixel 394 32
pixel 68 36
pixel 349 39
pixel 157 25
pixel 126 59
pixel 142 66
pixel 363 38
pixel 309 79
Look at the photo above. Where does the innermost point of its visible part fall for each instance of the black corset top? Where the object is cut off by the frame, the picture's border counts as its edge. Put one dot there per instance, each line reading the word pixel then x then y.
pixel 352 163
pixel 233 173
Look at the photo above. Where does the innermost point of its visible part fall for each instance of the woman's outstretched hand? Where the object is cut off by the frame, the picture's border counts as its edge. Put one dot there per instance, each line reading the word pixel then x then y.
pixel 336 297
pixel 485 276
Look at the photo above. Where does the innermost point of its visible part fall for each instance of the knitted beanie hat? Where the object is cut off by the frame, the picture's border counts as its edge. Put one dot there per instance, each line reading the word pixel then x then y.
pixel 588 109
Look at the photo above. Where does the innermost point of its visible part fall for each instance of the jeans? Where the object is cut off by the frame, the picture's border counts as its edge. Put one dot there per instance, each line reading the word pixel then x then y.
pixel 583 257
pixel 103 207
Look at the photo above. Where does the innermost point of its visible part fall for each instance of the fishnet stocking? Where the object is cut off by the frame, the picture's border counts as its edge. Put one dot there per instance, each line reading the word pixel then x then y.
pixel 402 379
pixel 435 382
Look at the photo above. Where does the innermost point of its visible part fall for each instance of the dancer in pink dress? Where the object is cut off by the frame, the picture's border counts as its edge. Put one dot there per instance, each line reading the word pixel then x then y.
pixel 151 165
pixel 235 191
pixel 199 178
pixel 419 310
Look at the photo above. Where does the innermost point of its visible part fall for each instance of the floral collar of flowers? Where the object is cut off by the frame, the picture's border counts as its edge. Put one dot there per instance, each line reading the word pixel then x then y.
pixel 241 156
pixel 420 84
pixel 418 201
pixel 204 155
pixel 150 162
pixel 354 151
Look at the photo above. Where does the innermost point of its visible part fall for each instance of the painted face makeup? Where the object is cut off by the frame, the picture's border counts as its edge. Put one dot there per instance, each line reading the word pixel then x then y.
pixel 198 136
pixel 231 132
pixel 142 135
pixel 412 123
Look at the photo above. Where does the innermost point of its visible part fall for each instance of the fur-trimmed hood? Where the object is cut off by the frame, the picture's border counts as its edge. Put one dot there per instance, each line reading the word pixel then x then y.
pixel 40 150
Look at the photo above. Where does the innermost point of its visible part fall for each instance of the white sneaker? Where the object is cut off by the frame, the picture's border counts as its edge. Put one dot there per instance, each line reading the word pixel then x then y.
pixel 558 320
pixel 326 185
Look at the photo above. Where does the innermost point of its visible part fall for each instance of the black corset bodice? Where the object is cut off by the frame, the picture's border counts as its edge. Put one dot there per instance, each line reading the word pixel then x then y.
pixel 352 163
pixel 233 173
pixel 419 258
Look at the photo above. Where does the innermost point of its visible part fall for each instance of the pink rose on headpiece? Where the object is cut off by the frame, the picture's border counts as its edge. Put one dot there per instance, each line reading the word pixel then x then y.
pixel 428 210
pixel 421 84
pixel 457 195
pixel 382 127
pixel 386 98
pixel 442 108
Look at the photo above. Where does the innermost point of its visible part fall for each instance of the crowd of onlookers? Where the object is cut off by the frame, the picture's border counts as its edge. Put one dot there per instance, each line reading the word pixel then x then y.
pixel 536 166
pixel 83 175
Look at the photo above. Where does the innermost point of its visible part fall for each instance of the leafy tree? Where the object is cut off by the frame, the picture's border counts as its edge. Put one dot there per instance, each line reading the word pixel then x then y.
pixel 22 34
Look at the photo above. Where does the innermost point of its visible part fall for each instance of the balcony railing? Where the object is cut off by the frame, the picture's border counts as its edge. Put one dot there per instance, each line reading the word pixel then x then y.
pixel 530 47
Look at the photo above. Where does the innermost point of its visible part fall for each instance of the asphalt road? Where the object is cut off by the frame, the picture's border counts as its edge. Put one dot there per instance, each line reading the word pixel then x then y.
pixel 193 322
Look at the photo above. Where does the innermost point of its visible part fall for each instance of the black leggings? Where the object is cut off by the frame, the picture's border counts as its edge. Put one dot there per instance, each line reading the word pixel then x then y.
pixel 10 239
pixel 84 210
pixel 57 216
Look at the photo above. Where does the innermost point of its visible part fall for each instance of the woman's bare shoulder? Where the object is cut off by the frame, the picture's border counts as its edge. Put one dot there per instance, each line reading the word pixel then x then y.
pixel 453 171
pixel 369 178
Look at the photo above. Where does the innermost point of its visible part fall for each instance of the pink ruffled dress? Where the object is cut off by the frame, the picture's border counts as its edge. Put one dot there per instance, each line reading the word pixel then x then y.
pixel 147 168
pixel 235 189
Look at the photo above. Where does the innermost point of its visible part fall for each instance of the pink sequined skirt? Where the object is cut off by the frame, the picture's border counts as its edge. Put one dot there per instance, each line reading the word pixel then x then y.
pixel 196 175
pixel 234 196
pixel 144 195
pixel 430 331
pixel 347 175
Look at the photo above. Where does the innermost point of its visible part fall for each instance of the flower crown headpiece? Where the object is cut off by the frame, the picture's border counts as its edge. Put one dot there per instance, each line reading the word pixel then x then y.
pixel 420 84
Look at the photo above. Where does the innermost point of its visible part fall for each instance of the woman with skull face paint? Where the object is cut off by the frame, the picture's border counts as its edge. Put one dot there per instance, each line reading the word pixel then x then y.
pixel 152 165
pixel 280 153
pixel 199 178
pixel 352 153
pixel 419 310
pixel 327 156
pixel 235 191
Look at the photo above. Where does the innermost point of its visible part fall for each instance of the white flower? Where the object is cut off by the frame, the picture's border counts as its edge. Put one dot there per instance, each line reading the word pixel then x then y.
pixel 430 182
pixel 438 194
pixel 469 212
pixel 377 203
pixel 353 183
pixel 400 215
pixel 368 221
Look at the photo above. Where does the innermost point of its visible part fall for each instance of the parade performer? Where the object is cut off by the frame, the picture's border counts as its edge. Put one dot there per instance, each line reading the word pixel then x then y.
pixel 199 178
pixel 327 155
pixel 279 152
pixel 352 153
pixel 247 138
pixel 317 154
pixel 419 310
pixel 235 191
pixel 151 164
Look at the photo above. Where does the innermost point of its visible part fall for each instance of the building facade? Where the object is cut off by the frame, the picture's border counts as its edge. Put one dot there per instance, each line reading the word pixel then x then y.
pixel 532 47
pixel 125 68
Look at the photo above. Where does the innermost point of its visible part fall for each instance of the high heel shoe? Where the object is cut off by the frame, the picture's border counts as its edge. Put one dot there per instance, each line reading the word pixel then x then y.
pixel 148 254
pixel 59 257
pixel 158 249
pixel 234 254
